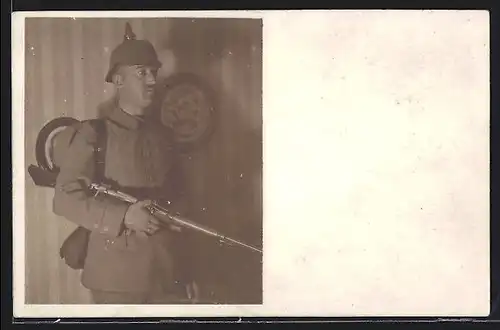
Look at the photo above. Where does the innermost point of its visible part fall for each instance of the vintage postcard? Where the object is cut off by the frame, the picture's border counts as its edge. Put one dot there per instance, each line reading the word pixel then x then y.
pixel 281 163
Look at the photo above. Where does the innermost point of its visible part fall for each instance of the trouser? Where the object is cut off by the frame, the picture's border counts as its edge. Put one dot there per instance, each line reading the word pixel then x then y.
pixel 123 298
pixel 158 293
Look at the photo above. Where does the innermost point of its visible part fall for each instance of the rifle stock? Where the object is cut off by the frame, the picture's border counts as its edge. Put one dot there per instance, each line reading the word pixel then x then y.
pixel 168 218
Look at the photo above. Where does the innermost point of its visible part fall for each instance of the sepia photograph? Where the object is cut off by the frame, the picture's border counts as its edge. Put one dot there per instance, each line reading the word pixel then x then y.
pixel 143 149
pixel 240 164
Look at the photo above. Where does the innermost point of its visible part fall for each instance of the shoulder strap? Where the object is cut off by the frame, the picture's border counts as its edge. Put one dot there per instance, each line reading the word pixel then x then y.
pixel 99 126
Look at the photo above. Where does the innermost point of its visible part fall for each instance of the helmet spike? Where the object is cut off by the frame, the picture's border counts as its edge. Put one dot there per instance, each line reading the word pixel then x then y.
pixel 129 35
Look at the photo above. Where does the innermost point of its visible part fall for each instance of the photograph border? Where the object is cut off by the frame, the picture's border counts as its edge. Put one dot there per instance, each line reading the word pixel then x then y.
pixel 18 213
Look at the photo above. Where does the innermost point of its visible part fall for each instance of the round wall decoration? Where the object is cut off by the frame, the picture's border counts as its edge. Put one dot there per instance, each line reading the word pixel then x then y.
pixel 188 107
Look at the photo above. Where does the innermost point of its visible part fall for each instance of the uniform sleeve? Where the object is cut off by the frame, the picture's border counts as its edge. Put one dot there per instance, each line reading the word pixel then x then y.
pixel 71 198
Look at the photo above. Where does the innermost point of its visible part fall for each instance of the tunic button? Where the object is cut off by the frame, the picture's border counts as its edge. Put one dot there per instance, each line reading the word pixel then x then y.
pixel 105 229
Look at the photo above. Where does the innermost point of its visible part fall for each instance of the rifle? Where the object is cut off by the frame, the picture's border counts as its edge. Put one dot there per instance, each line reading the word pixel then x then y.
pixel 166 217
pixel 45 174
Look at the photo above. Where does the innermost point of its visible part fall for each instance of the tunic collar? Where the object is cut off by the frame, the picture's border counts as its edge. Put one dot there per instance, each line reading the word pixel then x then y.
pixel 124 119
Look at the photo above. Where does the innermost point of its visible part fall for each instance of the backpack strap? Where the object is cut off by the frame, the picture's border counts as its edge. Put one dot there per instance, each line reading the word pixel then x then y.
pixel 99 126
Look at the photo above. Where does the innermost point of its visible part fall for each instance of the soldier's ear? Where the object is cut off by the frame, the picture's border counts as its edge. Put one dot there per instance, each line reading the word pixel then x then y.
pixel 118 79
pixel 118 76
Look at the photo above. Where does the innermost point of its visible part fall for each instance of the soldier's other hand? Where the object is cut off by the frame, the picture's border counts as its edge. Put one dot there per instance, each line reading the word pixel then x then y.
pixel 140 220
pixel 176 228
pixel 193 292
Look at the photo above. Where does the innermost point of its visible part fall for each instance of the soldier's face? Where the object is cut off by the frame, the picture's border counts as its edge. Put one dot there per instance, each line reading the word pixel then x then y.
pixel 137 84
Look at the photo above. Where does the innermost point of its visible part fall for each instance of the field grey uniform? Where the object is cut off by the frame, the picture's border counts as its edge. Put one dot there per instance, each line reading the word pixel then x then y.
pixel 122 267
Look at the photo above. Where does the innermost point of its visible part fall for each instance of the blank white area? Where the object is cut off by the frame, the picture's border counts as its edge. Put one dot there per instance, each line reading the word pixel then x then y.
pixel 376 167
pixel 376 163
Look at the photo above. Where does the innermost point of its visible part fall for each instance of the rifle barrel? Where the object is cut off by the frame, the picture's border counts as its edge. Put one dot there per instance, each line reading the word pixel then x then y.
pixel 156 209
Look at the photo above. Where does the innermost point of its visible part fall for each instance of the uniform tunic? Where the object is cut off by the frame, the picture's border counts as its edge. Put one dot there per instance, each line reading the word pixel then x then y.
pixel 138 155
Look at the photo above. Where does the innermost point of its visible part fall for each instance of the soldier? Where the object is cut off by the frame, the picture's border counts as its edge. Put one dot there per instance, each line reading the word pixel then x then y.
pixel 130 259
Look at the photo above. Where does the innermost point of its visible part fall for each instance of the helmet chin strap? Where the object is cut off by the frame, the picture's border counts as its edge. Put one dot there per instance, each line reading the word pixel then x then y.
pixel 130 109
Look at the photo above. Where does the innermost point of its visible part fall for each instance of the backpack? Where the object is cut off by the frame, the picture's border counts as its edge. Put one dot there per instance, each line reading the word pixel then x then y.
pixel 74 248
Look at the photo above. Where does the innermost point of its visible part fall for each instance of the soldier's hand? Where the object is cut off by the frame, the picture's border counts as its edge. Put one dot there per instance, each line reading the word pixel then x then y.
pixel 176 228
pixel 140 220
pixel 193 292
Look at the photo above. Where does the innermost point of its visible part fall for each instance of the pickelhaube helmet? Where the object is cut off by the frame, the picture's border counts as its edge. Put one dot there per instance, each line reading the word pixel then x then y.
pixel 132 52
